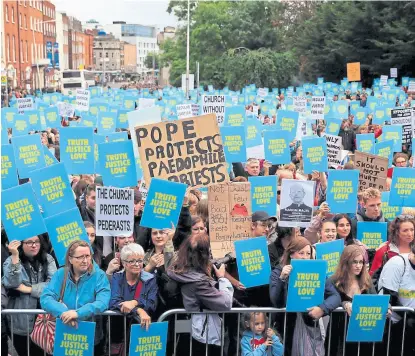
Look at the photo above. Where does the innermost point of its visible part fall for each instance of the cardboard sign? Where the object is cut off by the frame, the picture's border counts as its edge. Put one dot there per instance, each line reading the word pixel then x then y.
pixel 184 111
pixel 353 72
pixel 28 153
pixel 214 104
pixel 373 170
pixel 368 318
pixel 82 99
pixel 389 212
pixel 152 341
pixel 234 143
pixel 306 284
pixel 8 168
pixel 297 201
pixel 20 213
pixel 74 341
pixel 163 204
pixel 188 151
pixel 230 216
pixel 77 152
pixel 64 228
pixel 264 194
pixel 117 164
pixel 402 192
pixel 403 117
pixel 114 211
pixel 317 107
pixel 334 148
pixel 52 189
pixel 315 155
pixel 300 104
pixel 372 234
pixel 366 143
pixel 25 104
pixel 277 147
pixel 330 252
pixel 252 258
pixel 342 191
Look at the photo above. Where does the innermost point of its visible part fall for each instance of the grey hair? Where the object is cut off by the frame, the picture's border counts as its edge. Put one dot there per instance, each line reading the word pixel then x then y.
pixel 131 249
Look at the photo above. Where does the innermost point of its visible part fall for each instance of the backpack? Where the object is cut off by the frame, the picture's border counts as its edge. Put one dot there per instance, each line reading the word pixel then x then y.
pixel 376 275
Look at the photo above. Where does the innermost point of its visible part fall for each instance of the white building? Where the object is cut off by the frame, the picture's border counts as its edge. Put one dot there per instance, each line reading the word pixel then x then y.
pixel 62 40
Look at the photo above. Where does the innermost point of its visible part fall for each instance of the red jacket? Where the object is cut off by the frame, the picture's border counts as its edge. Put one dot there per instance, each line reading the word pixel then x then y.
pixel 377 261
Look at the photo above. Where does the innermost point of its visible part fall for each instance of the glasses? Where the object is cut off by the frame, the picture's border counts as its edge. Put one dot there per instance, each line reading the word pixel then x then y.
pixel 358 262
pixel 400 162
pixel 158 232
pixel 133 262
pixel 32 243
pixel 81 258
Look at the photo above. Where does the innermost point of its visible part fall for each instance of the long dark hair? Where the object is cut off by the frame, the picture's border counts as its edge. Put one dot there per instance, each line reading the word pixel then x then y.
pixel 41 259
pixel 349 240
pixel 194 254
pixel 395 226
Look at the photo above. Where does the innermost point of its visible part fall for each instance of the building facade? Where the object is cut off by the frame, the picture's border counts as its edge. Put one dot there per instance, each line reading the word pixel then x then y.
pixel 49 41
pixel 62 24
pixel 107 53
pixel 128 58
pixel 164 74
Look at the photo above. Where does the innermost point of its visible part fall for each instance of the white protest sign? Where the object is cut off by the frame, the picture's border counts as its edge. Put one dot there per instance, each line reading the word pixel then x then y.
pixel 195 109
pixel 191 82
pixel 411 86
pixel 25 104
pixel 403 117
pixel 255 110
pixel 184 111
pixel 145 103
pixel 262 92
pixel 334 148
pixel 82 99
pixel 143 190
pixel 394 72
pixel 300 104
pixel 65 109
pixel 383 80
pixel 214 104
pixel 317 107
pixel 114 211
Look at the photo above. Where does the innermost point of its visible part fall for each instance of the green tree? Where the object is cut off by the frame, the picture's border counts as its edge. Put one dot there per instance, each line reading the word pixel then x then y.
pixel 152 59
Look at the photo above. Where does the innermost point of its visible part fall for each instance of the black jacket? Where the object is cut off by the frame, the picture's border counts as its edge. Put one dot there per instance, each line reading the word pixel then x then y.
pixel 348 139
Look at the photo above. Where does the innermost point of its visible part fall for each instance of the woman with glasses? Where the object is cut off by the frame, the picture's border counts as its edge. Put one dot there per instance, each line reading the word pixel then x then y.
pixel 351 278
pixel 133 293
pixel 86 290
pixel 304 328
pixel 25 274
pixel 112 263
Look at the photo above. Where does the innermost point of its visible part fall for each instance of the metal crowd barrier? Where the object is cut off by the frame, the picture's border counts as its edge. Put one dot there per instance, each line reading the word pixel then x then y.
pixel 184 326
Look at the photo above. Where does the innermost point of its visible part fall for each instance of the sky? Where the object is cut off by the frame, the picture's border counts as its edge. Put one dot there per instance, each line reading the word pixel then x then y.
pixel 143 12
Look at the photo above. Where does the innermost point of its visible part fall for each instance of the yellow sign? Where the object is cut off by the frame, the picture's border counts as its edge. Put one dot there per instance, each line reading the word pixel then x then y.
pixel 81 66
pixel 353 72
pixel 3 80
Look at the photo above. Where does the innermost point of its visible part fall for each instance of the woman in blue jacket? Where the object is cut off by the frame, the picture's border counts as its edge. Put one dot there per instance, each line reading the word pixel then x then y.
pixel 304 326
pixel 87 290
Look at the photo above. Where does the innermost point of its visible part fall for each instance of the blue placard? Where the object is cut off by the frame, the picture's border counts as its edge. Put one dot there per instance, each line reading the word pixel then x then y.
pixel 129 102
pixel 53 190
pixel 389 212
pixel 360 116
pixel 52 117
pixel 393 132
pixel 402 192
pixel 8 115
pixel 20 213
pixel 28 153
pixel 379 115
pixel 8 168
pixel 117 136
pixel 372 234
pixel 330 252
pixel 233 139
pixel 264 194
pixel 315 155
pixel 287 121
pixel 333 126
pixel 64 228
pixel 83 335
pixel 163 204
pixel 385 149
pixel 106 122
pixel 152 341
pixel 253 132
pixel 342 191
pixel 252 258
pixel 368 318
pixel 122 119
pixel 116 162
pixel 366 143
pixel 77 152
pixel 235 116
pixel 277 147
pixel 21 125
pixel 34 120
pixel 50 159
pixel 341 107
pixel 306 284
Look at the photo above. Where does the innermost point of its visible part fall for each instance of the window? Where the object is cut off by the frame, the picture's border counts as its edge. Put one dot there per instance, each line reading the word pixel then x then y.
pixel 25 22
pixel 112 55
pixel 30 3
pixel 100 54
pixel 8 48
pixel 14 48
pixel 24 3
pixel 26 51
pixel 12 14
pixel 7 13
pixel 21 52
pixel 31 22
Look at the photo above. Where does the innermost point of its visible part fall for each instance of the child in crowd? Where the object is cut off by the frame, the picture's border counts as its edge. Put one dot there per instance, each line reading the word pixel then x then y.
pixel 257 339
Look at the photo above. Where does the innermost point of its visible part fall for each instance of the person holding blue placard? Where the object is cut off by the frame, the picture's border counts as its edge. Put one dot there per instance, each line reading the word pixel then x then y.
pixel 25 275
pixel 351 278
pixel 86 290
pixel 348 136
pixel 302 330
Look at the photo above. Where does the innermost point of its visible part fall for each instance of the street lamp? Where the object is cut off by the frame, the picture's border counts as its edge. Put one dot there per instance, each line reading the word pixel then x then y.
pixel 188 49
pixel 36 51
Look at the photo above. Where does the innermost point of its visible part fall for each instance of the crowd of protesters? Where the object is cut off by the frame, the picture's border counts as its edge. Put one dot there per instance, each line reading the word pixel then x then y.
pixel 152 271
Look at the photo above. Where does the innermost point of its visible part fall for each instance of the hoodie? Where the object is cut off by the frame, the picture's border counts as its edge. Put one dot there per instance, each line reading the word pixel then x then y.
pixel 199 293
pixel 254 345
pixel 361 216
